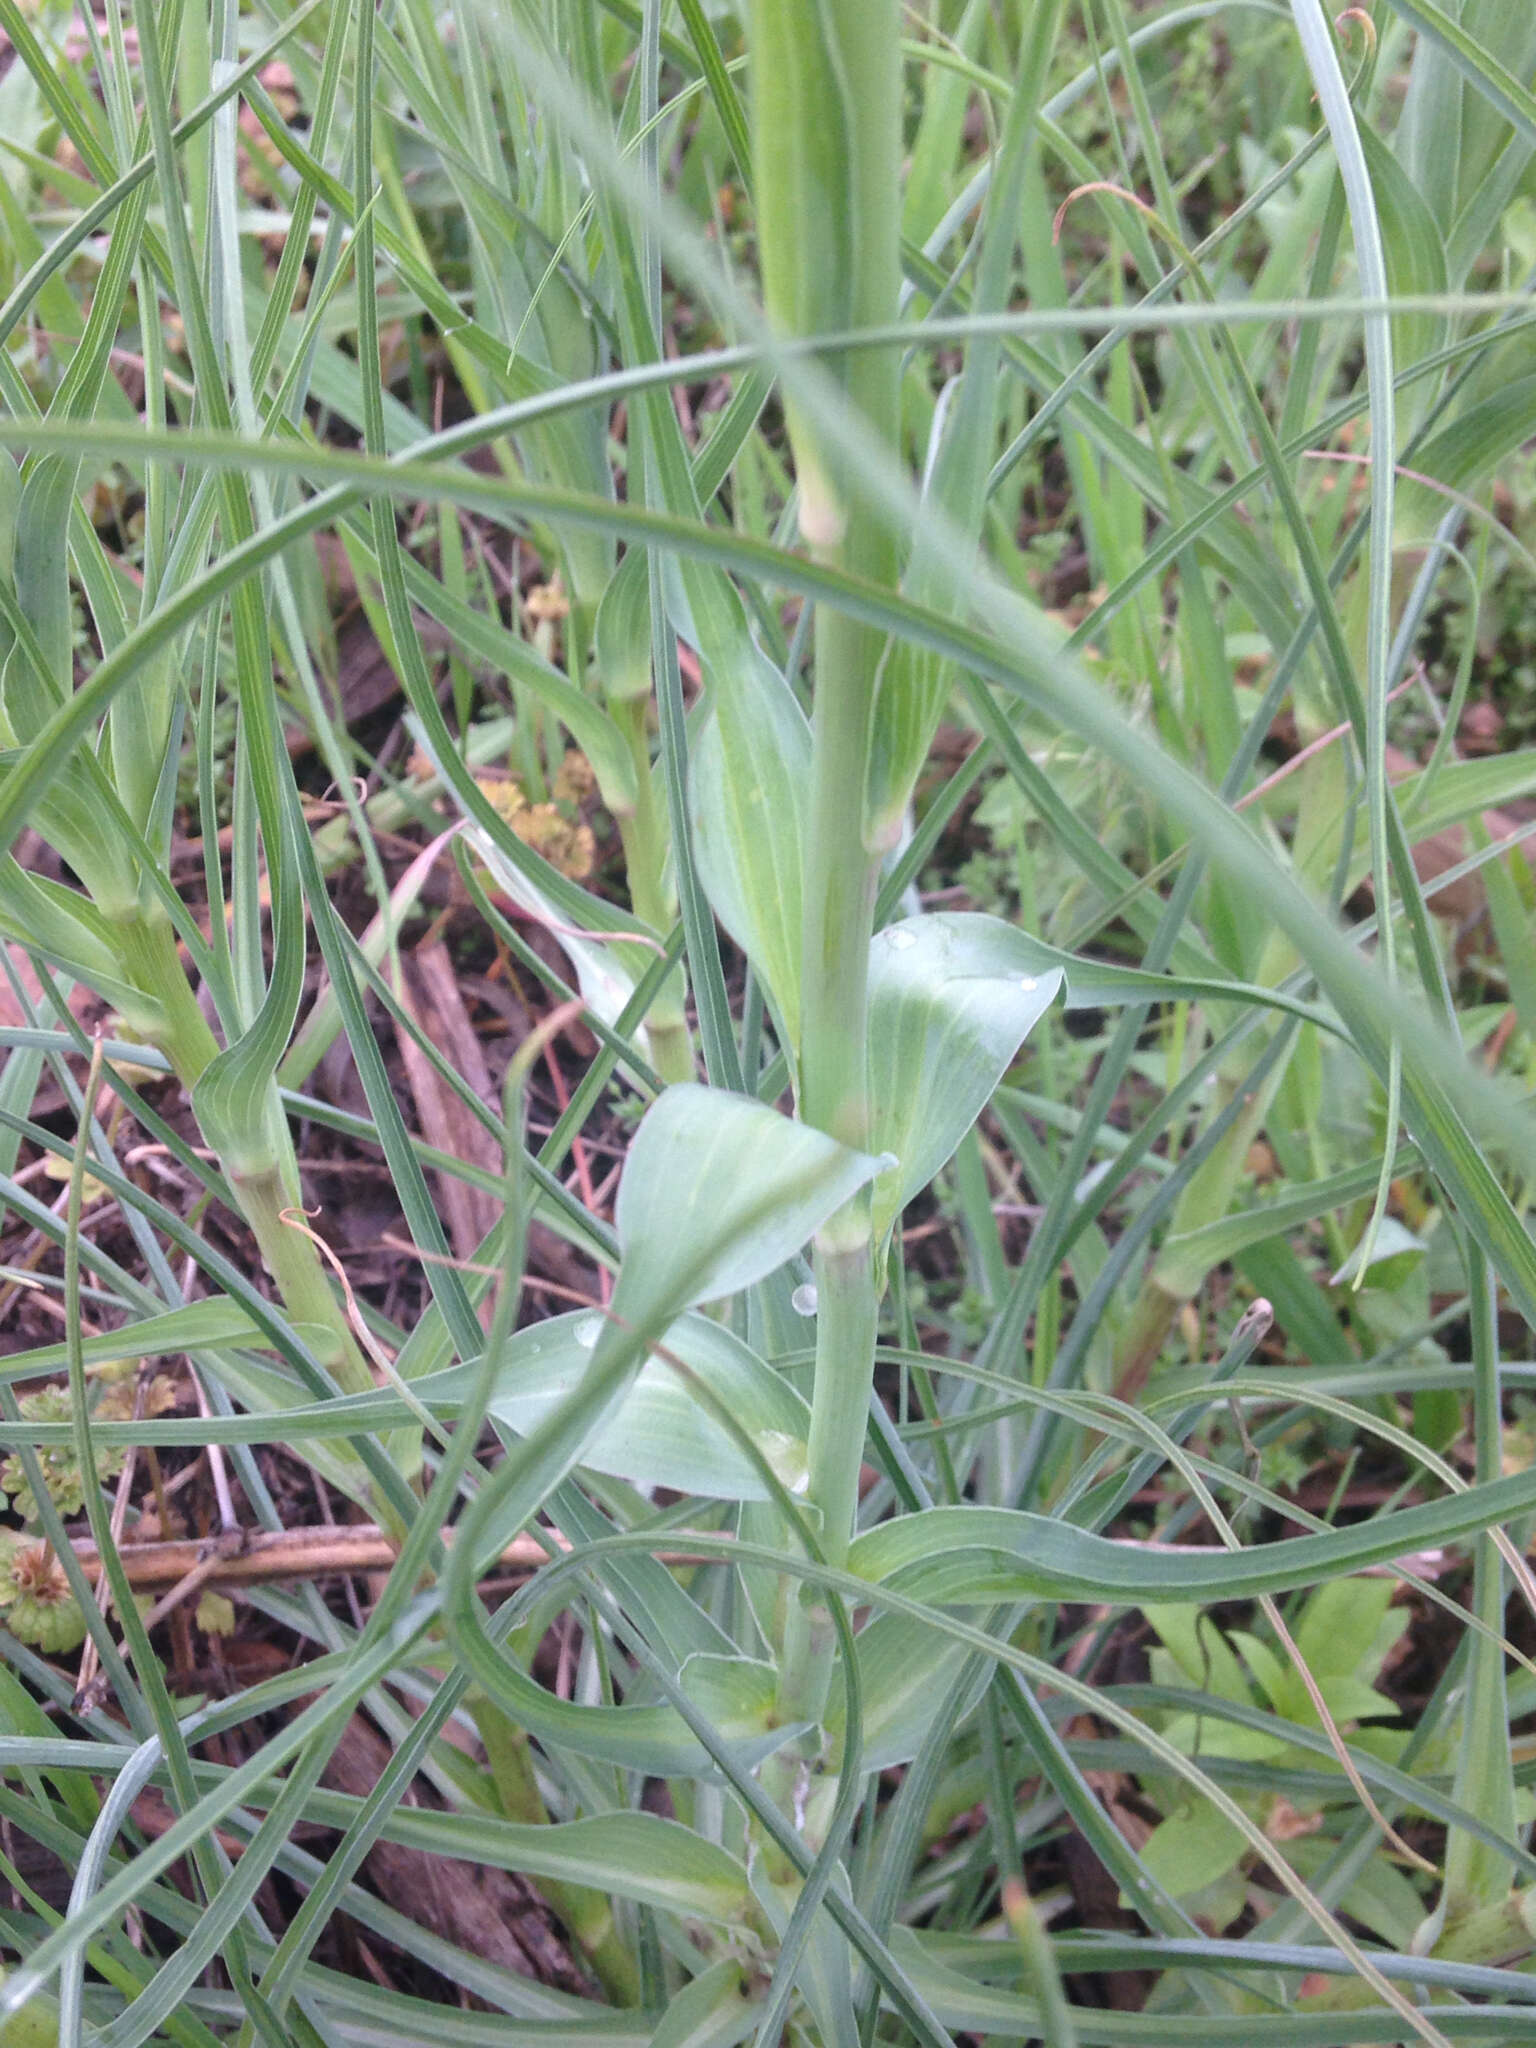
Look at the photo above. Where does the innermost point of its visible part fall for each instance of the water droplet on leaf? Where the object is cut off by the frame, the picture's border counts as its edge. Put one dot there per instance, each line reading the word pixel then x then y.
pixel 787 1458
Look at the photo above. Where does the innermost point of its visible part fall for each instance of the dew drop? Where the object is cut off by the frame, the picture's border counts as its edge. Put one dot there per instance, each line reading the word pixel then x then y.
pixel 901 940
pixel 587 1332
pixel 803 1300
pixel 787 1457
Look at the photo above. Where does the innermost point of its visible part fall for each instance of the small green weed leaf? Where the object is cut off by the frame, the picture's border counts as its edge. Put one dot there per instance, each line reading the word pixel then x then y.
pixel 952 997
pixel 623 630
pixel 1394 1252
pixel 718 1191
pixel 1348 1628
pixel 660 1435
pixel 36 1603
pixel 1202 1735
pixel 1190 1850
pixel 713 2011
pixel 749 795
pixel 1199 1649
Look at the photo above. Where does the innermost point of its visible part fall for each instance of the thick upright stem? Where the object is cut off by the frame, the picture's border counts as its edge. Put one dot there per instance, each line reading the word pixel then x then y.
pixel 827 116
pixel 146 942
pixel 588 1915
pixel 847 1321
pixel 842 873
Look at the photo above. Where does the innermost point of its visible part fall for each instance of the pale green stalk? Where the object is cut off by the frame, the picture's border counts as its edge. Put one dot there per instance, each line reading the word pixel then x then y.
pixel 827 126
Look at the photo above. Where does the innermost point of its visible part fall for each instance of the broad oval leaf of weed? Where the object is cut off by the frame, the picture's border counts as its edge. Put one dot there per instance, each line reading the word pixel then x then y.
pixel 661 1435
pixel 718 1191
pixel 952 997
pixel 749 797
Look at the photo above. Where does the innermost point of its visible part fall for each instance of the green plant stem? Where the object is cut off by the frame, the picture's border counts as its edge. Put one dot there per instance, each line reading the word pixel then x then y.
pixel 147 945
pixel 842 879
pixel 587 1915
pixel 293 1262
pixel 847 1324
pixel 827 131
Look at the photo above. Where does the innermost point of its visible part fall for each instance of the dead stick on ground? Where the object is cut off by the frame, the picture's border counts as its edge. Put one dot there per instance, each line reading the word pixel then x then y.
pixel 186 1566
pixel 250 1560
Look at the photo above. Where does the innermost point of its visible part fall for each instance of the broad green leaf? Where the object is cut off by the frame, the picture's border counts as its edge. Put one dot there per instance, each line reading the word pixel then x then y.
pixel 714 2011
pixel 1190 1850
pixel 1476 63
pixel 1394 1251
pixel 623 630
pixel 1349 1627
pixel 638 1855
pixel 67 929
pixel 952 997
pixel 661 1435
pixel 1464 452
pixel 749 795
pixel 718 1191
